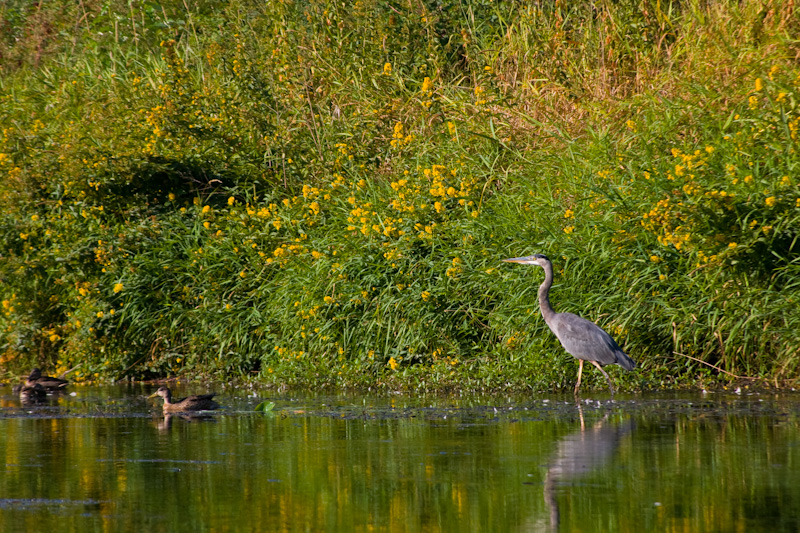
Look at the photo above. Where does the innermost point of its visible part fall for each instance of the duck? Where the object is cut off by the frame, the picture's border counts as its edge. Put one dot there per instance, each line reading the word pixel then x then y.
pixel 29 394
pixel 49 383
pixel 202 402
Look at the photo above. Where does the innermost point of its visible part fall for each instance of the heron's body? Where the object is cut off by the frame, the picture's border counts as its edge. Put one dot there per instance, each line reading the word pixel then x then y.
pixel 48 382
pixel 581 338
pixel 203 402
pixel 587 341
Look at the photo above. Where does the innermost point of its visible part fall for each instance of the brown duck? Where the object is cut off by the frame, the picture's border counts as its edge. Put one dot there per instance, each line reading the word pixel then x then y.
pixel 203 402
pixel 49 383
pixel 29 394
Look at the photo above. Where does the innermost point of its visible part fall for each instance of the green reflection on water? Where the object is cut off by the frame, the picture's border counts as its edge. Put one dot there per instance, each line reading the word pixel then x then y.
pixel 401 465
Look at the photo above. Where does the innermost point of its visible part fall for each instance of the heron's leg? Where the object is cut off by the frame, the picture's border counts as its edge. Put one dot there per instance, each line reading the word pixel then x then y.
pixel 600 368
pixel 550 499
pixel 580 371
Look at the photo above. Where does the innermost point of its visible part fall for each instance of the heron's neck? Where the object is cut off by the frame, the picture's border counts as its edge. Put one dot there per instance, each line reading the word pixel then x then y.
pixel 544 299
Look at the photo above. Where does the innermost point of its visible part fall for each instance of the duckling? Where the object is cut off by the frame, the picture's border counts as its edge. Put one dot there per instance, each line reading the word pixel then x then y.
pixel 29 394
pixel 48 382
pixel 202 402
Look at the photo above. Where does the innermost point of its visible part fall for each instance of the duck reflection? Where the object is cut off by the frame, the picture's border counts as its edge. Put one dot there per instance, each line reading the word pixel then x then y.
pixel 163 425
pixel 580 453
pixel 32 394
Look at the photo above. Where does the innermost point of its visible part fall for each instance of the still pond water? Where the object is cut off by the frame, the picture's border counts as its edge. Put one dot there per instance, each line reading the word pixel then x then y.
pixel 105 459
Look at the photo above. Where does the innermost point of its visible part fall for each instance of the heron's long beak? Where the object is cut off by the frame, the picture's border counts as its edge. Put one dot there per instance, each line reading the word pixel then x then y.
pixel 516 260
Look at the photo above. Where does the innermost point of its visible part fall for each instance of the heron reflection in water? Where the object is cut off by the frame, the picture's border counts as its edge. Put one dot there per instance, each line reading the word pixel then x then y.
pixel 585 340
pixel 580 453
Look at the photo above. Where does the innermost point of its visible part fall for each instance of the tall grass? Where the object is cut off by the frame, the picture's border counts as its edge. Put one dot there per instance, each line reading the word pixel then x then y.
pixel 319 195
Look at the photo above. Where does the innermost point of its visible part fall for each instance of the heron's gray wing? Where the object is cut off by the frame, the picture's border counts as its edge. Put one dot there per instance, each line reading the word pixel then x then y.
pixel 588 341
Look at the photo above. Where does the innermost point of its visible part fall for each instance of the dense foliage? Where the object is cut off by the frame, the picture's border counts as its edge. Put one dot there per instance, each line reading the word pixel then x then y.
pixel 320 193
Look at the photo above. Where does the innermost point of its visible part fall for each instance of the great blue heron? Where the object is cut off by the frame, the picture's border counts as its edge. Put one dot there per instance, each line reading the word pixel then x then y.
pixel 585 340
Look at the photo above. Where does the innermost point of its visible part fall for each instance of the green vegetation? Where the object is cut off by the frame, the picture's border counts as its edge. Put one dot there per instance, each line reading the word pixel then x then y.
pixel 319 194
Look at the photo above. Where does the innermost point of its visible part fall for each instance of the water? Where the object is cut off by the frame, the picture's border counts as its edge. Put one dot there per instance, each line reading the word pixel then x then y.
pixel 106 459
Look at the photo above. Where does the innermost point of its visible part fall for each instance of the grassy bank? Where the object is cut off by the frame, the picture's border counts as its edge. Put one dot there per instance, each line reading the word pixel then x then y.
pixel 319 195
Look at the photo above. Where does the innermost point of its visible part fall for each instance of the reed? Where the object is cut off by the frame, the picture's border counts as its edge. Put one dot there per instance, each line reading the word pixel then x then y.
pixel 317 195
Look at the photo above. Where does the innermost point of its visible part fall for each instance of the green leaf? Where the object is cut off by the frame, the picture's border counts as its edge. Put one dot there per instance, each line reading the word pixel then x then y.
pixel 265 407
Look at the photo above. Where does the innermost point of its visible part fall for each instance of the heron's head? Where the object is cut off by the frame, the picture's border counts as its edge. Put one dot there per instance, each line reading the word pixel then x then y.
pixel 535 259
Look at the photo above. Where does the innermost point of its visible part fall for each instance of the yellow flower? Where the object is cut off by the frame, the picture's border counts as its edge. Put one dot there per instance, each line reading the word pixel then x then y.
pixel 387 68
pixel 655 259
pixel 118 287
pixel 425 295
pixel 206 208
pixel 171 197
pixel 393 364
pixel 569 214
pixel 427 84
pixel 99 314
pixel 569 229
pixel 759 84
pixel 770 201
pixel 732 245
pixel 231 200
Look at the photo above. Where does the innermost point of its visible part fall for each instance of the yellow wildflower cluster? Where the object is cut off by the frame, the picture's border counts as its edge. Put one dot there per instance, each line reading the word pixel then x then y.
pixel 480 99
pixel 455 269
pixel 427 93
pixel 284 252
pixel 8 305
pixel 399 139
